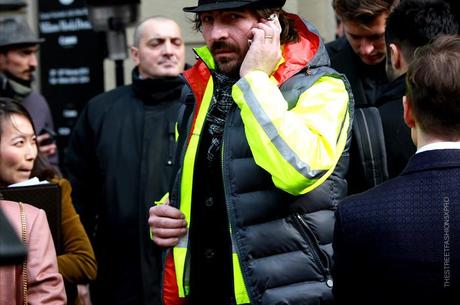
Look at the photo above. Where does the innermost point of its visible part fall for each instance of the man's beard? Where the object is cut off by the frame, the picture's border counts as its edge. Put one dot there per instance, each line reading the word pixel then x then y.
pixel 229 66
pixel 25 82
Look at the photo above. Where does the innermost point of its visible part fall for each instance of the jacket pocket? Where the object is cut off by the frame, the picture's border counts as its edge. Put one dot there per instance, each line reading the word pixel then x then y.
pixel 320 258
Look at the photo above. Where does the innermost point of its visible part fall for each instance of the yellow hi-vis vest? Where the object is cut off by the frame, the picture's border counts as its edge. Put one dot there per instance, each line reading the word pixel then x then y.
pixel 180 250
pixel 323 119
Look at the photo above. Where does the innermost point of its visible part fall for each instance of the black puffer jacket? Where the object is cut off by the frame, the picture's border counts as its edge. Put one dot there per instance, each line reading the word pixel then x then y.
pixel 259 211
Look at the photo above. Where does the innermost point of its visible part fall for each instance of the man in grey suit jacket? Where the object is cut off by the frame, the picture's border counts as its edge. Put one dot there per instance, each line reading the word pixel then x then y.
pixel 399 243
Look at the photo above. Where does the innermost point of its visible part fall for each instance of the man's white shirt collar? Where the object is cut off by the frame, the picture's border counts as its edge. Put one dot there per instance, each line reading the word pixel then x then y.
pixel 439 145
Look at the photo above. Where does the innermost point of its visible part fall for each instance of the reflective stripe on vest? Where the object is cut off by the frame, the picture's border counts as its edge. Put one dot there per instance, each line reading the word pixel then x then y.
pixel 239 288
pixel 322 119
pixel 180 251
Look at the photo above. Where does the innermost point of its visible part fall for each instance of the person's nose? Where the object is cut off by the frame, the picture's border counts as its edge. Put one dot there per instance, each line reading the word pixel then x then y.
pixel 33 62
pixel 31 152
pixel 366 47
pixel 29 156
pixel 168 48
pixel 219 31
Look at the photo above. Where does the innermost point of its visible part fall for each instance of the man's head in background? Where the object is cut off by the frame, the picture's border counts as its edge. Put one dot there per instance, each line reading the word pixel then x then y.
pixel 18 49
pixel 364 26
pixel 412 24
pixel 158 49
pixel 432 102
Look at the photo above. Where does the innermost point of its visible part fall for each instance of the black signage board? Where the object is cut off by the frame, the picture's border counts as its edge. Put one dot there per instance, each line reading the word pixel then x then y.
pixel 71 61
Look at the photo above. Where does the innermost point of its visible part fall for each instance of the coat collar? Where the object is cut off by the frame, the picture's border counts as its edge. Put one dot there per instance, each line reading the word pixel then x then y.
pixel 432 159
pixel 156 90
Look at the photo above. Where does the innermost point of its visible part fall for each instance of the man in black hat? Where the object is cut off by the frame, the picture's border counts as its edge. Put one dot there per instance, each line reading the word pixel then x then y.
pixel 18 62
pixel 262 165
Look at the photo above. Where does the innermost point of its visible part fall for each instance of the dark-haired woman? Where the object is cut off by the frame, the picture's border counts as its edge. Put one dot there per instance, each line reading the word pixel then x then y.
pixel 19 161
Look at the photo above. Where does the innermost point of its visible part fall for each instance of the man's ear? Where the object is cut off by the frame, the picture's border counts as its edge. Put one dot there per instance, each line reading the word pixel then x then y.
pixel 396 56
pixel 408 113
pixel 135 55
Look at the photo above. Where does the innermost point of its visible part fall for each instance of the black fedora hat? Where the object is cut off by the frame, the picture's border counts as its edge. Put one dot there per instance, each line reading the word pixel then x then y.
pixel 211 5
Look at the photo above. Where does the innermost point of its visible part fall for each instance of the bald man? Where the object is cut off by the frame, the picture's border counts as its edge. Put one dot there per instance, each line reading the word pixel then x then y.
pixel 119 162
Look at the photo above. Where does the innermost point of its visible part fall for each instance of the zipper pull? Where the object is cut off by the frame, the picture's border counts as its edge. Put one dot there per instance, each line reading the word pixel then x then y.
pixel 329 282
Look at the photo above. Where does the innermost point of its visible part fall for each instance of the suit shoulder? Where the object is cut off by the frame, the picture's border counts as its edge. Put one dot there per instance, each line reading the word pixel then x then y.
pixel 36 95
pixel 107 100
pixel 381 194
pixel 35 99
pixel 110 105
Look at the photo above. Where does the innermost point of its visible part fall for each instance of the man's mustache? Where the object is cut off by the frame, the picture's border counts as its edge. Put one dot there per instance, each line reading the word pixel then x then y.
pixel 222 45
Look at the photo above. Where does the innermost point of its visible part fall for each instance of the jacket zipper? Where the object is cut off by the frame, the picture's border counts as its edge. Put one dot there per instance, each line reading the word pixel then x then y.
pixel 171 143
pixel 243 268
pixel 312 241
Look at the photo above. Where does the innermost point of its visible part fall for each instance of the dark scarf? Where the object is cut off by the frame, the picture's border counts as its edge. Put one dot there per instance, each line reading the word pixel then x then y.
pixel 157 90
pixel 16 88
pixel 220 106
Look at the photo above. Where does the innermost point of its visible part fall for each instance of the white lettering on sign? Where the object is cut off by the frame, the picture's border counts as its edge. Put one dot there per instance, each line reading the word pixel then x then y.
pixel 68 41
pixel 69 76
pixel 70 25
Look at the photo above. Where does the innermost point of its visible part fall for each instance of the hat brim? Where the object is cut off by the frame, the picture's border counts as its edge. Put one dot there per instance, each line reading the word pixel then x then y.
pixel 22 42
pixel 232 4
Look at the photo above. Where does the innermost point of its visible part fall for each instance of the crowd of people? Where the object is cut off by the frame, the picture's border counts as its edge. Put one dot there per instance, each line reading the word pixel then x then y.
pixel 277 169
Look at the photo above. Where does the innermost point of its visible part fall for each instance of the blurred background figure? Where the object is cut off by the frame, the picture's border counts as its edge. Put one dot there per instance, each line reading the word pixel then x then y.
pixel 37 281
pixel 120 160
pixel 18 63
pixel 339 32
pixel 412 24
pixel 19 161
pixel 360 55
